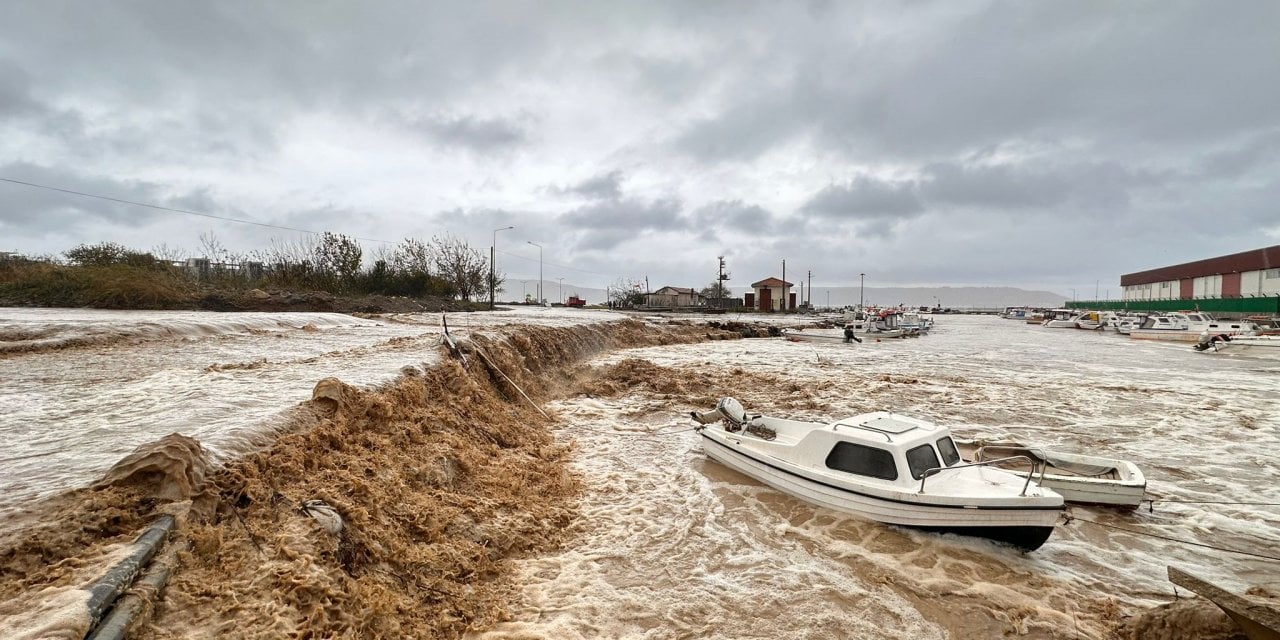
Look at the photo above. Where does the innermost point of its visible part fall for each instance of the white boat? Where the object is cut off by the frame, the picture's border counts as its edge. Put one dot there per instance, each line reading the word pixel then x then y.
pixel 1188 327
pixel 1078 478
pixel 1264 345
pixel 914 322
pixel 885 467
pixel 839 336
pixel 1090 321
pixel 1060 319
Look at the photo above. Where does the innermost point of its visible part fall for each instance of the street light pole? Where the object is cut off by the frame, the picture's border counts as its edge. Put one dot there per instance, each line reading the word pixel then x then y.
pixel 539 270
pixel 493 268
pixel 561 279
pixel 862 286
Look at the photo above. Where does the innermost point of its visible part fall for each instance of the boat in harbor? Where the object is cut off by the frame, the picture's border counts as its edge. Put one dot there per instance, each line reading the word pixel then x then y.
pixel 840 336
pixel 1264 345
pixel 1061 319
pixel 1079 478
pixel 1188 327
pixel 884 467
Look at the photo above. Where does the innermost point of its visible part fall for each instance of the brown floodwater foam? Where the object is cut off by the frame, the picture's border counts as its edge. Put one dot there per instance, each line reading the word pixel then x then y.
pixel 440 478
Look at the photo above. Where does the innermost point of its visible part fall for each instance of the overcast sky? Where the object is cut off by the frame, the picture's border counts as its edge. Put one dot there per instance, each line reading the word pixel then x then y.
pixel 1048 145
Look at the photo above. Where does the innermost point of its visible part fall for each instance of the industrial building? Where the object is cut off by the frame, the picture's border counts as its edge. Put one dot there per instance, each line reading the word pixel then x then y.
pixel 1246 282
pixel 1248 274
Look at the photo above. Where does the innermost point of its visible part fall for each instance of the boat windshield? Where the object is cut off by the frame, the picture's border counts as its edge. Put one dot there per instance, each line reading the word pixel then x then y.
pixel 921 459
pixel 948 450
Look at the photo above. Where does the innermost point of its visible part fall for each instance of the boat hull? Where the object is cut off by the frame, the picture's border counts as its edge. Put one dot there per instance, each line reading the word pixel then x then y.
pixel 1024 527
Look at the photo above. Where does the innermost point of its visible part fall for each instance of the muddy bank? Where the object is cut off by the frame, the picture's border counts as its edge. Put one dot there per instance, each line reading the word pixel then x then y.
pixel 439 479
pixel 287 300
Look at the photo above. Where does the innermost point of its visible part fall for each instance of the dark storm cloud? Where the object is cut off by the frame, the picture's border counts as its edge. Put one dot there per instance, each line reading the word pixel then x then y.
pixel 606 186
pixel 734 214
pixel 481 135
pixel 44 209
pixel 15 87
pixel 1031 187
pixel 607 224
pixel 865 198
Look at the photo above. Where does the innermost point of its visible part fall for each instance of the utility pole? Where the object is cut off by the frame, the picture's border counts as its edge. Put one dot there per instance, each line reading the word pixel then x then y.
pixel 539 270
pixel 721 293
pixel 784 285
pixel 862 287
pixel 493 270
pixel 809 301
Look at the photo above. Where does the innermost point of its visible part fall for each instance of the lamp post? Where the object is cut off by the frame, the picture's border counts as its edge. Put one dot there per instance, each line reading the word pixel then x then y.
pixel 561 279
pixel 493 269
pixel 862 285
pixel 539 270
pixel 1073 296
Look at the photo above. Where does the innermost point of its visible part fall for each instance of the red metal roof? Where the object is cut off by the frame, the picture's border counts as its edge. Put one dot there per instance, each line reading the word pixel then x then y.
pixel 770 282
pixel 1258 259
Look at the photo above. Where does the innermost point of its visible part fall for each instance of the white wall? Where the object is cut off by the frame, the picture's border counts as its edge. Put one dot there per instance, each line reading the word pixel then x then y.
pixel 1257 282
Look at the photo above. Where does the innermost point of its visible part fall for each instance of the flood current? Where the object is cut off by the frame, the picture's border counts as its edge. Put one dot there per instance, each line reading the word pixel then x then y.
pixel 673 545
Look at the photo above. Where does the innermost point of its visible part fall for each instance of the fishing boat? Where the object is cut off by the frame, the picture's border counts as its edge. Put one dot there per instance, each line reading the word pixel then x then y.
pixel 1079 478
pixel 885 467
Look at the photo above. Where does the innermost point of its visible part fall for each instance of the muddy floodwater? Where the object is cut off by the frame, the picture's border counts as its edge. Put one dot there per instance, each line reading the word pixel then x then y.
pixel 669 544
pixel 673 545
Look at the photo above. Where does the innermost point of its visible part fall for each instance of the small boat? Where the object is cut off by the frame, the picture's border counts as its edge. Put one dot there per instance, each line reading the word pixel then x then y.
pixel 1264 345
pixel 885 467
pixel 1258 618
pixel 845 336
pixel 1078 478
pixel 1061 319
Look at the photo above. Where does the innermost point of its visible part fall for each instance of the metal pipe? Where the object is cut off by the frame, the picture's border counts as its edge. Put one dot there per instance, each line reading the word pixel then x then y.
pixel 130 608
pixel 117 579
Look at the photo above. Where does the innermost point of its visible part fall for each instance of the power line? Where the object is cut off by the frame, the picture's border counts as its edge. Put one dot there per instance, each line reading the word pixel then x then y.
pixel 186 211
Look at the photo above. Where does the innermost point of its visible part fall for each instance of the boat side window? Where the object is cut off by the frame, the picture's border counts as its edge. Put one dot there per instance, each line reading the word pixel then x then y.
pixel 862 460
pixel 921 459
pixel 948 450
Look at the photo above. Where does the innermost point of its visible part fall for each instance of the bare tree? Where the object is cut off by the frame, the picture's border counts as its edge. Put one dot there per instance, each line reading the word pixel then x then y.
pixel 461 266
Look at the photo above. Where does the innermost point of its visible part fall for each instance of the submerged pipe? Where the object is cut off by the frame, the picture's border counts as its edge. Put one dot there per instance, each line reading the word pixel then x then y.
pixel 131 607
pixel 105 590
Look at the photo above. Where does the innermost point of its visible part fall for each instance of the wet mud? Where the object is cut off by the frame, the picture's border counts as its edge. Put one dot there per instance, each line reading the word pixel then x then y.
pixel 439 478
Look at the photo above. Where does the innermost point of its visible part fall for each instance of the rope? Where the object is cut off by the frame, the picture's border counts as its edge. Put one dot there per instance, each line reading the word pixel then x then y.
pixel 1176 501
pixel 645 436
pixel 1071 518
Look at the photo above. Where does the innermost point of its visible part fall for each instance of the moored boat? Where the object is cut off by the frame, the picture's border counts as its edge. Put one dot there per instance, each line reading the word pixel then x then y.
pixel 1061 319
pixel 1079 478
pixel 839 336
pixel 1265 345
pixel 1188 327
pixel 885 467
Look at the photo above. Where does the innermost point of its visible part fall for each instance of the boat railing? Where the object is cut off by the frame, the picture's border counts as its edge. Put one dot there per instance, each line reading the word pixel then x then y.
pixel 935 470
pixel 836 427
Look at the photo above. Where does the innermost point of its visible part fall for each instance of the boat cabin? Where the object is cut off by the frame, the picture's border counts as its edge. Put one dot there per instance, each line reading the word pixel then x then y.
pixel 882 446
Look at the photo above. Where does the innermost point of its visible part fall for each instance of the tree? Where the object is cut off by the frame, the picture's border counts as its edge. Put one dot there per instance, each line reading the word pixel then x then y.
pixel 627 292
pixel 715 291
pixel 462 267
pixel 337 258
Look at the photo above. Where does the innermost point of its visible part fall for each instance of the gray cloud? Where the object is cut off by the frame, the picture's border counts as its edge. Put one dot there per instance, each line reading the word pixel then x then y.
pixel 849 134
pixel 482 135
pixel 865 198
pixel 605 186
